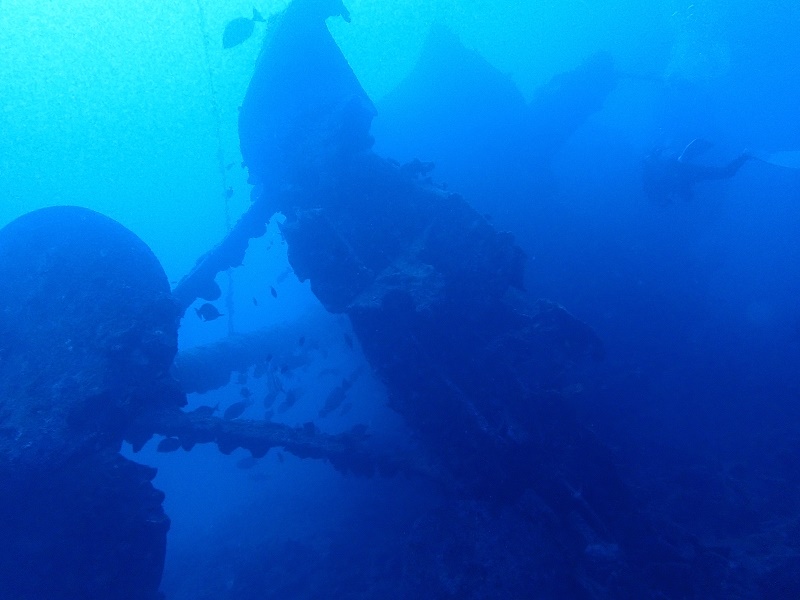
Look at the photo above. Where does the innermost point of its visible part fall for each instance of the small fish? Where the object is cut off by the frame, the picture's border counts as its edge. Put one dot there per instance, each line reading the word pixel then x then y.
pixel 273 291
pixel 284 274
pixel 241 378
pixel 262 368
pixel 255 301
pixel 240 29
pixel 248 462
pixel 235 410
pixel 335 399
pixel 208 312
pixel 228 192
pixel 339 393
pixel 245 392
pixel 301 341
pixel 169 444
pixel 269 414
pixel 348 339
pixel 205 411
pixel 346 408
pixel 270 398
pixel 280 457
pixel 274 388
pixel 288 401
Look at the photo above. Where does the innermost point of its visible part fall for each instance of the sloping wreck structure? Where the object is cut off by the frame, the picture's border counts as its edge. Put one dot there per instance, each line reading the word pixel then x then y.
pixel 470 361
pixel 459 111
pixel 532 505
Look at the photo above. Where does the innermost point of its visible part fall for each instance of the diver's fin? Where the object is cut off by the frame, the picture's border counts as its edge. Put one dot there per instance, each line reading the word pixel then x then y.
pixel 789 159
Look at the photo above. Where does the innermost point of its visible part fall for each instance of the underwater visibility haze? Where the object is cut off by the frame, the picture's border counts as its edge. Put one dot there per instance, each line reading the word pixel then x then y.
pixel 365 299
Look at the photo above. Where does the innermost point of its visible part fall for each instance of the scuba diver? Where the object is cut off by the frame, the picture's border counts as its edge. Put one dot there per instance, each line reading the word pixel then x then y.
pixel 668 176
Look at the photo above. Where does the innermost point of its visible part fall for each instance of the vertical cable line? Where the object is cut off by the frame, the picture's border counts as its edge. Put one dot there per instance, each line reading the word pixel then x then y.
pixel 201 17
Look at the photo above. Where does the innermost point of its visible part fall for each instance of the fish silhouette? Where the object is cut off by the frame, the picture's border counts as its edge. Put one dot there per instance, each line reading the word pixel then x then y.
pixel 205 411
pixel 235 410
pixel 208 312
pixel 240 29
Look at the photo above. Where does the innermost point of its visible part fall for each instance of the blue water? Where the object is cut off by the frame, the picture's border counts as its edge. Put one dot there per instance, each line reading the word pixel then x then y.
pixel 130 108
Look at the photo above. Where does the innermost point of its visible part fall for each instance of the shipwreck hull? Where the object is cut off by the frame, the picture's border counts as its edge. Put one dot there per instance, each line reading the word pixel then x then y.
pixel 433 292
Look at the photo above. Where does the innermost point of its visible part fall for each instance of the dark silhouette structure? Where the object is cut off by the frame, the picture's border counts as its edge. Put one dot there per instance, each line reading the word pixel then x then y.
pixel 88 336
pixel 470 361
pixel 88 331
pixel 434 293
